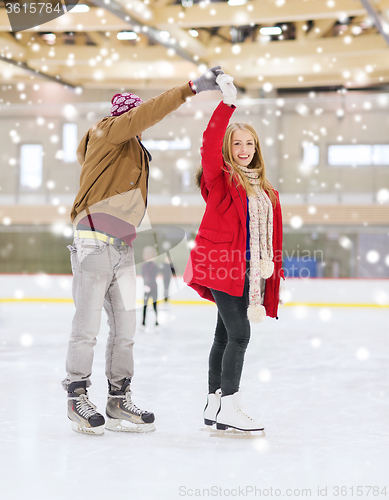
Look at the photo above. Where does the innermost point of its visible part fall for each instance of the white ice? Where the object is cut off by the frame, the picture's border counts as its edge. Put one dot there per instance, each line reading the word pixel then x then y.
pixel 317 380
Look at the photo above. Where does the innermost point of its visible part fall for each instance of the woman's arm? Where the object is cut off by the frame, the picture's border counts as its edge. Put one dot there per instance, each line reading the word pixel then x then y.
pixel 211 151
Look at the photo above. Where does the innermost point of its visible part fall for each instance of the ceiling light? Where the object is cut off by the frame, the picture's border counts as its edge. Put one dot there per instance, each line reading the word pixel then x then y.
pixel 236 2
pixel 49 38
pixel 165 35
pixel 127 35
pixel 78 8
pixel 356 30
pixel 271 30
pixel 194 33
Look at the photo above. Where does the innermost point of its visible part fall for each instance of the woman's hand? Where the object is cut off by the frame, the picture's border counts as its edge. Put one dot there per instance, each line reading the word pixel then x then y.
pixel 228 89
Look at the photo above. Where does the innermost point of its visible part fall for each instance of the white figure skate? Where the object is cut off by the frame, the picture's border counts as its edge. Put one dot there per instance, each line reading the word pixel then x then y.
pixel 231 415
pixel 212 407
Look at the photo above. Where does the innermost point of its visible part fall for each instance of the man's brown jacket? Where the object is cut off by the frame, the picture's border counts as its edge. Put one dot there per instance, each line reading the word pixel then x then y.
pixel 115 167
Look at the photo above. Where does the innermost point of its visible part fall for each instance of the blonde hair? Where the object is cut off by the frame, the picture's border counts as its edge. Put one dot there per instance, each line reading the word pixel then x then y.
pixel 257 164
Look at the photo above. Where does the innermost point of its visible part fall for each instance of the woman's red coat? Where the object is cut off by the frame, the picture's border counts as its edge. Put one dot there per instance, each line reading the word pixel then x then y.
pixel 217 260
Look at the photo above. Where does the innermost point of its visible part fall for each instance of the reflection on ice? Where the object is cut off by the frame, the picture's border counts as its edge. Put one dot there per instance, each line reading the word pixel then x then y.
pixel 362 354
pixel 26 339
pixel 325 314
pixel 316 343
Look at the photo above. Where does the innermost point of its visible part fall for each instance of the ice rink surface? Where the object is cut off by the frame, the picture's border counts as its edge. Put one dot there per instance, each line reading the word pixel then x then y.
pixel 317 379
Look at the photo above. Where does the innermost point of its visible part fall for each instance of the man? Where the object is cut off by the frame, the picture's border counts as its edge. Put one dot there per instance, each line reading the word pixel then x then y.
pixel 110 204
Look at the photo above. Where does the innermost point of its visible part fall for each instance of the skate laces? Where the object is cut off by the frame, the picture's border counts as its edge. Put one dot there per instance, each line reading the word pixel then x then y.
pixel 129 405
pixel 242 412
pixel 84 407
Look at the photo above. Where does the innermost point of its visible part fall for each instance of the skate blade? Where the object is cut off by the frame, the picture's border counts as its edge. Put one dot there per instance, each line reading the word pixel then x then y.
pixel 91 431
pixel 236 434
pixel 125 426
pixel 208 428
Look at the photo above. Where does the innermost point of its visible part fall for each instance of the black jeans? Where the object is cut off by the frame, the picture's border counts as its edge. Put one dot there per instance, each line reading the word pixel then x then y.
pixel 232 336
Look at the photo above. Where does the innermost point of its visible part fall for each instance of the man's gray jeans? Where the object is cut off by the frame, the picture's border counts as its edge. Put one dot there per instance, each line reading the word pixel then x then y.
pixel 103 276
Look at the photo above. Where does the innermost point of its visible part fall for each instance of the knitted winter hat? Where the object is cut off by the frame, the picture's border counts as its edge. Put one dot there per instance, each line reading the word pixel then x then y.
pixel 124 102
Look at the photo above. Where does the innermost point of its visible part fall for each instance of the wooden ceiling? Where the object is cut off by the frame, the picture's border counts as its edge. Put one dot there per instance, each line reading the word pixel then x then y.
pixel 324 43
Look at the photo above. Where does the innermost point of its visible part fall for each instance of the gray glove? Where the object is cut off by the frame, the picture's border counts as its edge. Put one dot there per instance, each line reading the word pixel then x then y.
pixel 207 81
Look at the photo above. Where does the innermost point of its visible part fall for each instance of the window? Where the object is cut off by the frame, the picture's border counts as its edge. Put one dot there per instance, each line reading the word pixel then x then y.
pixel 311 154
pixel 358 155
pixel 381 154
pixel 186 176
pixel 31 165
pixel 176 144
pixel 70 142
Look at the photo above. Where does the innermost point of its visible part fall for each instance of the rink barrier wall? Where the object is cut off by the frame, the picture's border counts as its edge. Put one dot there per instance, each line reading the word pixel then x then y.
pixel 325 214
pixel 198 302
pixel 310 292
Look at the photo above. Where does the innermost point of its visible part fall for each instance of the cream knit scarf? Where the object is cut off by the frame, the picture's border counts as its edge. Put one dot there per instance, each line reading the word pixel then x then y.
pixel 261 244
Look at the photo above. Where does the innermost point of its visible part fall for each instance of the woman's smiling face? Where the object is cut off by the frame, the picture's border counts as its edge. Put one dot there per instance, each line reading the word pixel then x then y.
pixel 242 147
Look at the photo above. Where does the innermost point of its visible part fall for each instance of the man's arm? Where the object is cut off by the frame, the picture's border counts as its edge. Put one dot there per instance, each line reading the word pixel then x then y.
pixel 119 129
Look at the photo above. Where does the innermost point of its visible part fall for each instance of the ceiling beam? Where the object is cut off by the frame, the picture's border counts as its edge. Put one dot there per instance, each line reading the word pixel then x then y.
pixel 308 60
pixel 335 47
pixel 83 54
pixel 141 14
pixel 99 39
pixel 360 68
pixel 314 80
pixel 36 72
pixel 320 28
pixel 150 67
pixel 257 12
pixel 330 47
pixel 10 46
pixel 301 30
pixel 264 12
pixel 381 25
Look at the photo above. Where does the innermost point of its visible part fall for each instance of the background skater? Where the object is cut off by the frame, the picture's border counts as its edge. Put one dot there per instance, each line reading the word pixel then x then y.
pixel 167 271
pixel 150 270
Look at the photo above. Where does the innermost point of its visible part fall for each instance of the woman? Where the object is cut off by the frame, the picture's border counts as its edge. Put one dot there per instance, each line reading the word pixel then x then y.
pixel 237 257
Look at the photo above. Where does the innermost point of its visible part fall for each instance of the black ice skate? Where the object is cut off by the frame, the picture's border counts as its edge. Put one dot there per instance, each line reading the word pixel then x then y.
pixel 82 412
pixel 123 415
